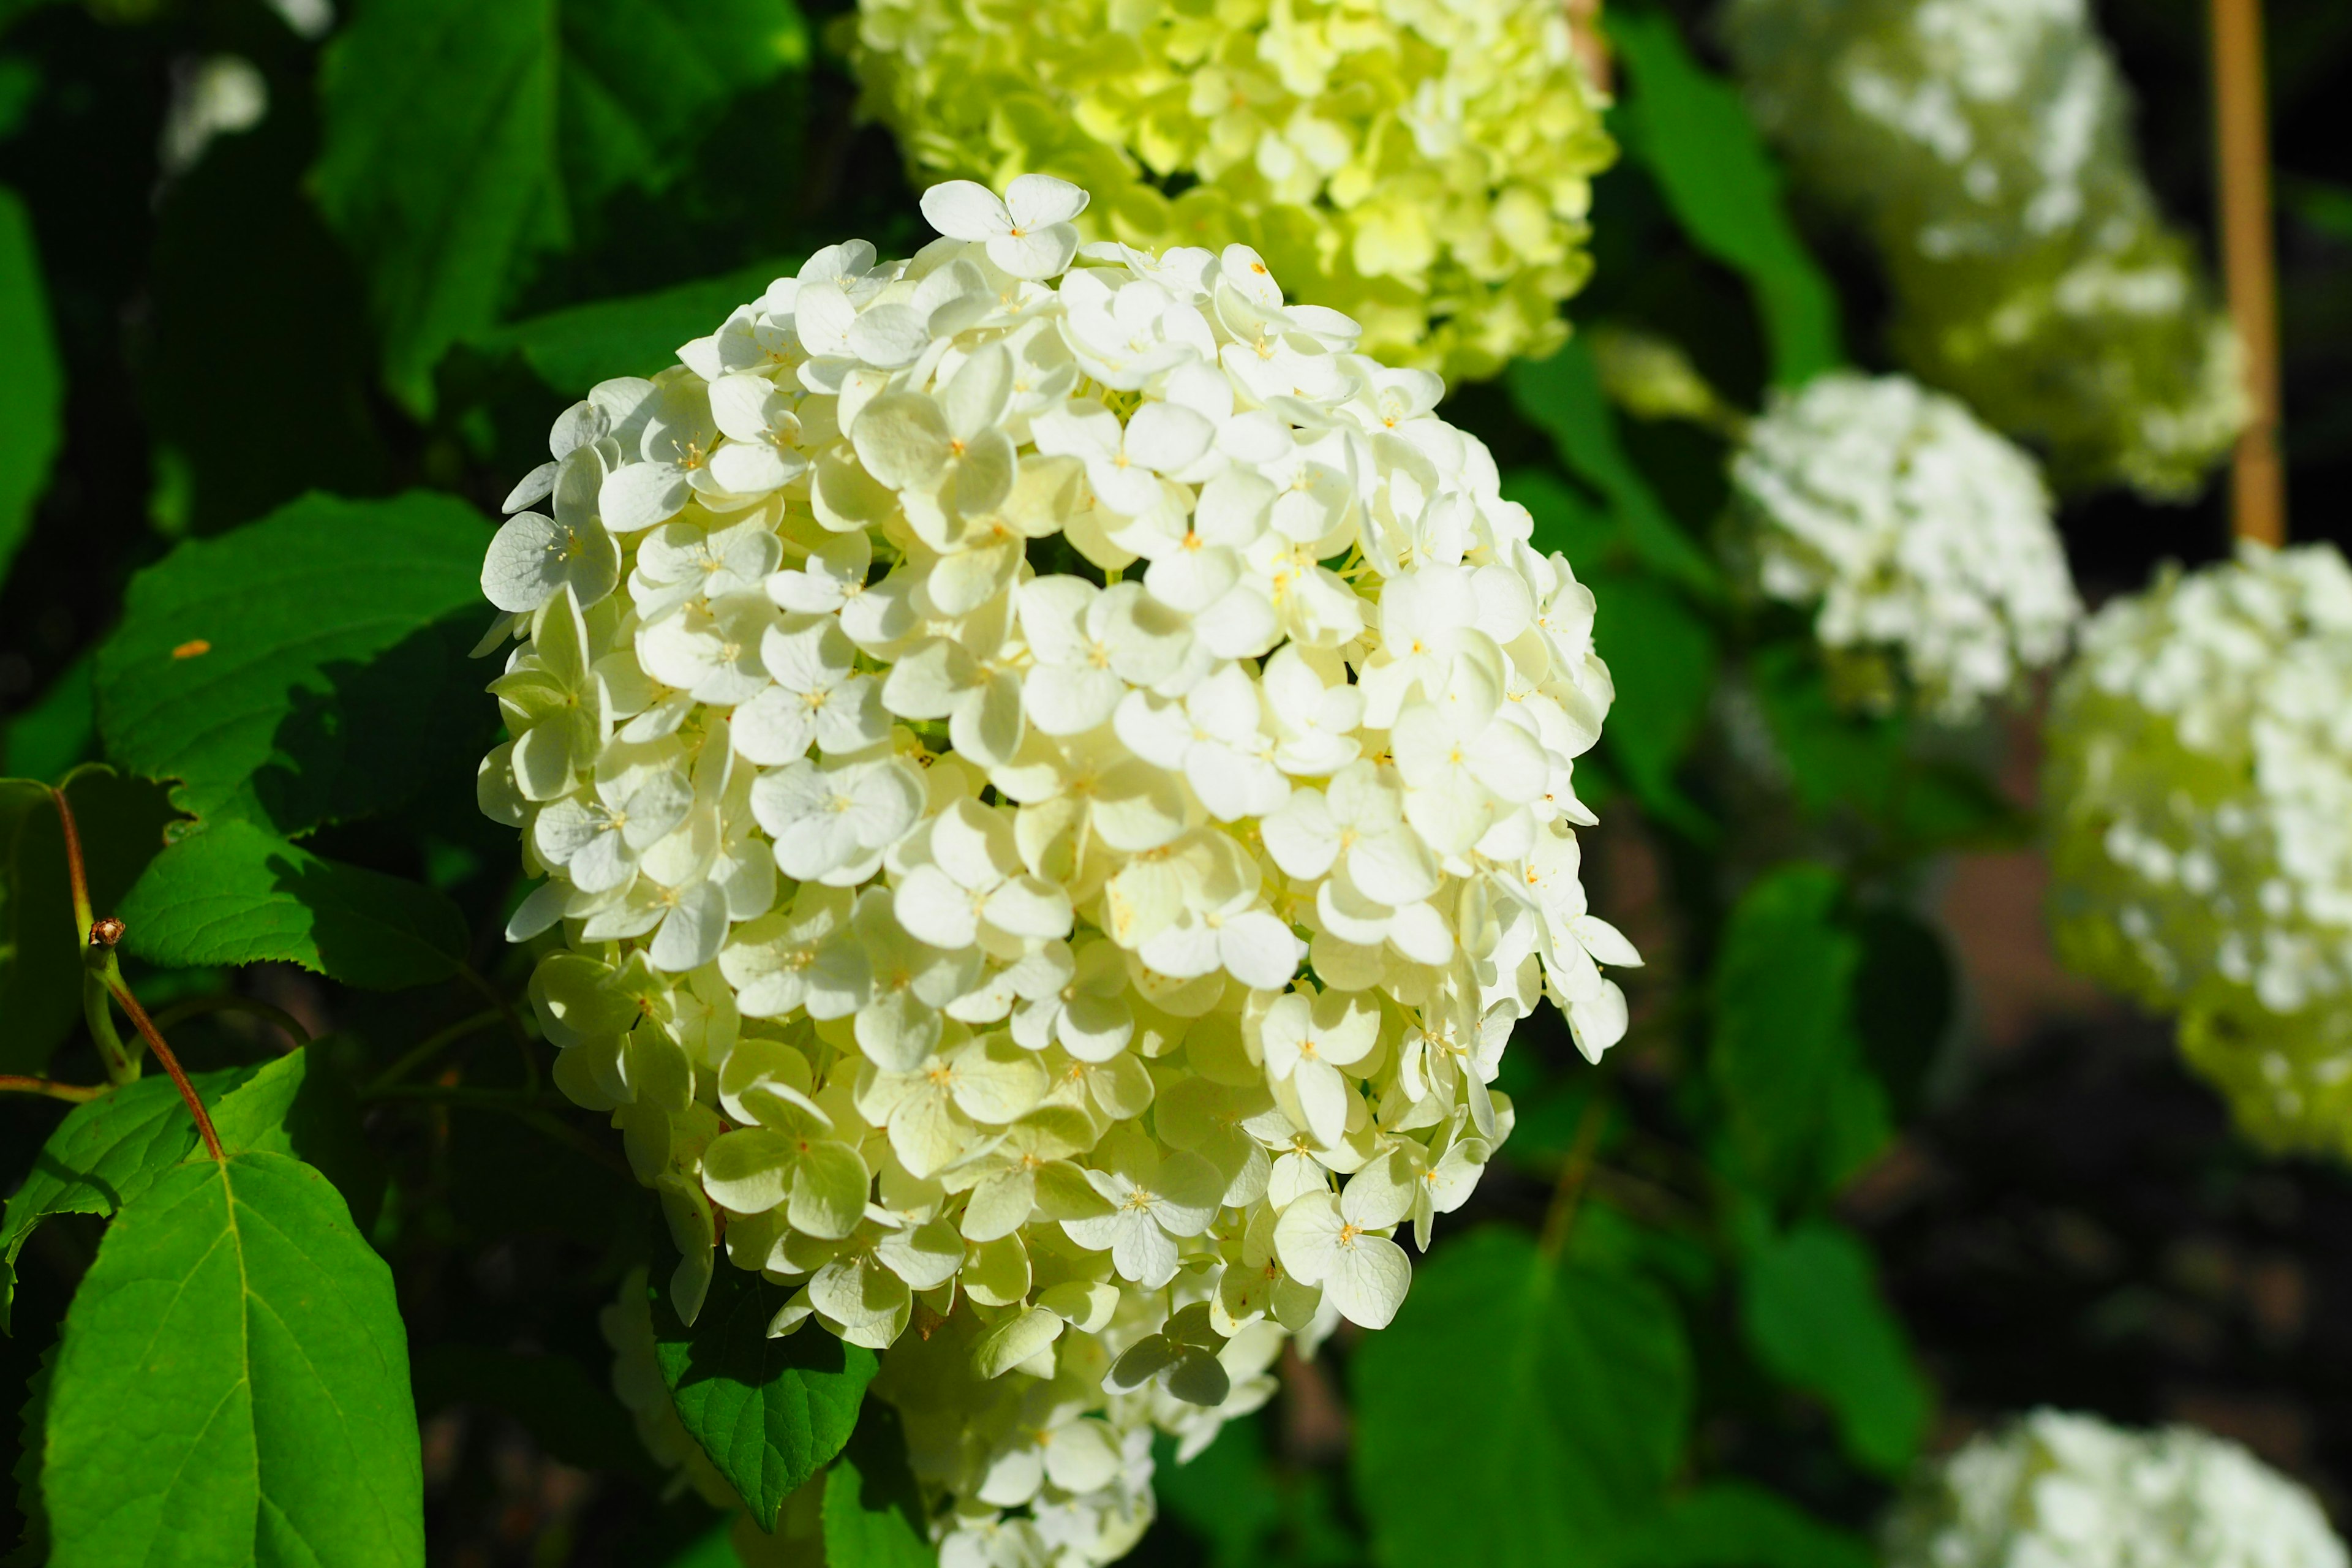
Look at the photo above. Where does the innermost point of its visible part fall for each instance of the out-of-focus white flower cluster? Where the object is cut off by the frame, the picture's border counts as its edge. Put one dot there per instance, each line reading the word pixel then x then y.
pixel 1054 778
pixel 2056 1490
pixel 1986 144
pixel 1423 165
pixel 2200 782
pixel 1926 539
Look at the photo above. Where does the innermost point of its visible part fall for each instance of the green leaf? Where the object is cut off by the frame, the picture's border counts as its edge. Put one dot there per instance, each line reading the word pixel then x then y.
pixel 438 166
pixel 1835 758
pixel 104 1154
pixel 1811 1307
pixel 583 344
pixel 461 138
pixel 302 1106
pixel 1904 998
pixel 770 1413
pixel 1518 1410
pixel 232 1386
pixel 121 823
pixel 236 893
pixel 873 1509
pixel 1731 1525
pixel 1689 127
pixel 567 1410
pixel 1562 396
pixel 303 669
pixel 1784 1034
pixel 1661 658
pixel 32 391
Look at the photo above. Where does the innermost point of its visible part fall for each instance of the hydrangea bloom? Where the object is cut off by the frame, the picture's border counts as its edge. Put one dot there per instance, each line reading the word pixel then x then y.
pixel 1925 538
pixel 1054 777
pixel 2070 1491
pixel 1986 145
pixel 2202 802
pixel 1423 165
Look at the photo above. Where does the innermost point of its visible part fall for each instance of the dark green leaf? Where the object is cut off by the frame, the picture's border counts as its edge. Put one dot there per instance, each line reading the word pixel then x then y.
pixel 1730 1525
pixel 45 740
pixel 302 1105
pixel 1225 1494
pixel 235 893
pixel 568 1410
pixel 232 1386
pixel 1690 130
pixel 1835 758
pixel 873 1508
pixel 121 826
pixel 1517 1410
pixel 461 139
pixel 32 390
pixel 1662 658
pixel 1904 998
pixel 1811 1307
pixel 575 348
pixel 770 1413
pixel 437 165
pixel 645 80
pixel 1565 520
pixel 305 669
pixel 1562 396
pixel 32 1544
pixel 1783 1024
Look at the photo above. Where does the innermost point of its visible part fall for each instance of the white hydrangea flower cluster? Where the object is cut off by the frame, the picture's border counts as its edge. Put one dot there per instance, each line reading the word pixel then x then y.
pixel 1925 538
pixel 1056 780
pixel 1987 146
pixel 2200 781
pixel 2056 1490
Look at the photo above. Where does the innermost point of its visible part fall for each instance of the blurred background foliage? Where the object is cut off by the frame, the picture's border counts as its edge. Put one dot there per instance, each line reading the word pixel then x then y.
pixel 1869 1171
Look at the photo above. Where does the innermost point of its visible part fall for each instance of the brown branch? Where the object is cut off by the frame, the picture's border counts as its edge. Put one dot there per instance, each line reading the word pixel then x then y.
pixel 1574 1172
pixel 2242 138
pixel 146 1029
pixel 74 869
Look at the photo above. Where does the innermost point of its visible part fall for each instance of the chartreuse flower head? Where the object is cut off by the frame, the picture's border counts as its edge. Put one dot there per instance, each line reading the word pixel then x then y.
pixel 1986 145
pixel 1054 777
pixel 2200 783
pixel 1423 165
pixel 1925 540
pixel 2060 1489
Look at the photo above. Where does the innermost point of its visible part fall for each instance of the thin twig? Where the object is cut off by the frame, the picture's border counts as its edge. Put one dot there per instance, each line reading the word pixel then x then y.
pixel 434 1042
pixel 95 938
pixel 1574 1172
pixel 14 1083
pixel 146 1028
pixel 196 1007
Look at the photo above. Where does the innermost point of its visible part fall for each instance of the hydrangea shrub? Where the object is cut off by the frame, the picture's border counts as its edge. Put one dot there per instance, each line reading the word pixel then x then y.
pixel 1423 165
pixel 1925 540
pixel 1054 775
pixel 1986 144
pixel 2202 841
pixel 2056 1488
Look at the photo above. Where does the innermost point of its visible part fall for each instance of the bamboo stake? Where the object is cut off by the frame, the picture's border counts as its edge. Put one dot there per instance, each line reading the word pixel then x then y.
pixel 2257 477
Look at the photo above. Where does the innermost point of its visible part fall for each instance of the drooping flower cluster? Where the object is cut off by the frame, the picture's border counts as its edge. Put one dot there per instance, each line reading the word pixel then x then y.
pixel 1423 165
pixel 1926 539
pixel 1986 145
pixel 1055 782
pixel 2200 783
pixel 2058 1490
